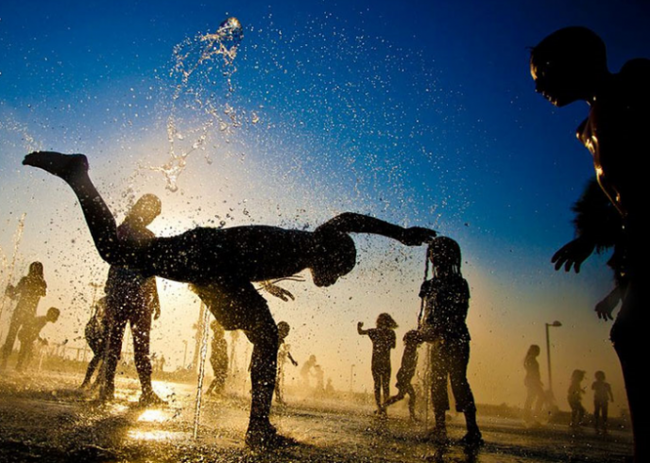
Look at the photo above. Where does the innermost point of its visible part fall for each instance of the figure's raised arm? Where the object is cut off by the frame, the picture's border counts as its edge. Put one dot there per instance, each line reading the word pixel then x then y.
pixel 350 222
pixel 360 329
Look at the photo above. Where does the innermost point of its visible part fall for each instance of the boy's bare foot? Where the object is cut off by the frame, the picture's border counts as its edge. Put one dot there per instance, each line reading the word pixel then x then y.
pixel 64 166
pixel 151 398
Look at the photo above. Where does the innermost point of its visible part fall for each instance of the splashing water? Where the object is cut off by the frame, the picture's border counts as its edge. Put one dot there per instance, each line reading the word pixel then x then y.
pixel 11 126
pixel 202 356
pixel 199 64
pixel 18 235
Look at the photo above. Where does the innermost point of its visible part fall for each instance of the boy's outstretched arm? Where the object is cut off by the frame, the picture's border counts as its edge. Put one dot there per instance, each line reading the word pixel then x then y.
pixel 350 222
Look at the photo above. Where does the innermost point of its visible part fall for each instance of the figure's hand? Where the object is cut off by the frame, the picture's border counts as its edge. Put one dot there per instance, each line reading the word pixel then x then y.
pixel 295 364
pixel 415 236
pixel 156 313
pixel 573 254
pixel 359 325
pixel 605 308
pixel 9 292
pixel 278 292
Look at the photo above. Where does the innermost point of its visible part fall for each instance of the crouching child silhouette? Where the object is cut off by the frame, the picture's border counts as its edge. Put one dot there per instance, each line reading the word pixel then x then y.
pixel 30 333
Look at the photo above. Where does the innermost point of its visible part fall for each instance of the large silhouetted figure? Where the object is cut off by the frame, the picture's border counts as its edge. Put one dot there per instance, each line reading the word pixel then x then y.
pixel 383 340
pixel 446 298
pixel 132 297
pixel 571 65
pixel 29 291
pixel 222 264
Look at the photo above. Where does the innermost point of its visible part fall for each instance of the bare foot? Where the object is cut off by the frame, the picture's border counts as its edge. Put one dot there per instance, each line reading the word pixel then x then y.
pixel 151 398
pixel 64 166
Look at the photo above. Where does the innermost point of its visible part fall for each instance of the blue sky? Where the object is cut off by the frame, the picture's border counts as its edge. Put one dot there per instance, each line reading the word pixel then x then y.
pixel 420 112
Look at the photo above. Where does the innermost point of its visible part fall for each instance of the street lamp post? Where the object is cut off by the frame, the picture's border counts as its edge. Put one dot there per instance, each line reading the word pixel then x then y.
pixel 548 352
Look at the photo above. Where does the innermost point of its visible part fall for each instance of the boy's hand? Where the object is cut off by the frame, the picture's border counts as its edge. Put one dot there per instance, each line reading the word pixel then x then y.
pixel 573 254
pixel 359 325
pixel 416 236
pixel 604 309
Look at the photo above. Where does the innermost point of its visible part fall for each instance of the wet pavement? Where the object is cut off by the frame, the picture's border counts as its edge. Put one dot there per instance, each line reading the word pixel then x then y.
pixel 44 418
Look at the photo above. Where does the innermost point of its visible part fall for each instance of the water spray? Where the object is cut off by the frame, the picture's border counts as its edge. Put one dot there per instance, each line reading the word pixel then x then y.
pixel 17 238
pixel 201 375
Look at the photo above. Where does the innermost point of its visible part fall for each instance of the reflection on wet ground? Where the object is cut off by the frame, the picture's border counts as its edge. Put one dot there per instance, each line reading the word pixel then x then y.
pixel 44 418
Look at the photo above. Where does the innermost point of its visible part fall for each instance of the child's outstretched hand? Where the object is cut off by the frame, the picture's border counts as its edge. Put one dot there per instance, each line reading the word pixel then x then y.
pixel 573 254
pixel 416 236
pixel 359 325
pixel 604 309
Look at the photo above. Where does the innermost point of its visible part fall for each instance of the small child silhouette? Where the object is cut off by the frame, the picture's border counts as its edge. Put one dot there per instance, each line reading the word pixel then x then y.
pixel 602 396
pixel 30 332
pixel 412 341
pixel 383 340
pixel 575 398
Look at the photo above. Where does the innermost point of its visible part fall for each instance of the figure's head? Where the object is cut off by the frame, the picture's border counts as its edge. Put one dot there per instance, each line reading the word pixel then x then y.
pixel 600 375
pixel 334 255
pixel 533 351
pixel 413 337
pixel 36 269
pixel 146 209
pixel 52 314
pixel 384 320
pixel 568 64
pixel 577 376
pixel 444 254
pixel 283 330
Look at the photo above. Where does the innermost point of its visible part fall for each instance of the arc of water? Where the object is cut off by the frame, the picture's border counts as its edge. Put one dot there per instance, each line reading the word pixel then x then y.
pixel 201 375
pixel 17 238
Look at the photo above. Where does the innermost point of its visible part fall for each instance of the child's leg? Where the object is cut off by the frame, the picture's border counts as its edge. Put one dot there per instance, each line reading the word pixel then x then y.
pixel 140 321
pixel 459 359
pixel 237 305
pixel 376 378
pixel 385 380
pixel 410 390
pixel 439 397
pixel 73 169
pixel 25 354
pixel 112 351
pixel 92 366
pixel 396 398
pixel 10 340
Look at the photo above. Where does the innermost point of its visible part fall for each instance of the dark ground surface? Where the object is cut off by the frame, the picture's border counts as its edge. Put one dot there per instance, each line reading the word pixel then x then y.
pixel 43 418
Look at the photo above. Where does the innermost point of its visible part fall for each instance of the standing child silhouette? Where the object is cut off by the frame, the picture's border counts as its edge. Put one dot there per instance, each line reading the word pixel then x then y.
pixel 446 297
pixel 383 340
